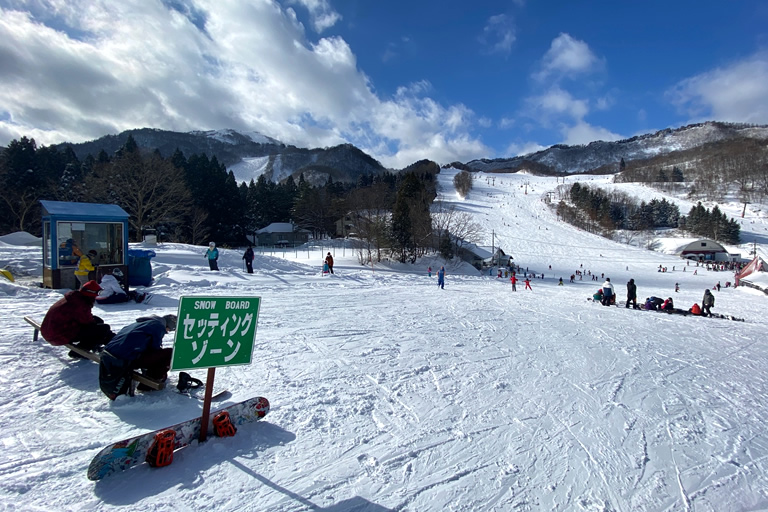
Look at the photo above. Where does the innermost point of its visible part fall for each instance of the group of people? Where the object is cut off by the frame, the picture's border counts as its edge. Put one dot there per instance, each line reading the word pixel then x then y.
pixel 513 280
pixel 137 346
pixel 607 296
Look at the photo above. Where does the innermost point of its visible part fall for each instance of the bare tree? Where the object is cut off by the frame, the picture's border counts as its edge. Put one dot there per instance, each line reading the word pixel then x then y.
pixel 151 189
pixel 197 226
pixel 461 225
pixel 369 213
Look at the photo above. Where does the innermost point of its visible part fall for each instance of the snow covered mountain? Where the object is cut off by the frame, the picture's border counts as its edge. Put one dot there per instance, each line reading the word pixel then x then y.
pixel 580 159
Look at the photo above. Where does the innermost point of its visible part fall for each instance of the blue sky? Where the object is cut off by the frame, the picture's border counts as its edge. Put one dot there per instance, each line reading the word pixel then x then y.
pixel 446 80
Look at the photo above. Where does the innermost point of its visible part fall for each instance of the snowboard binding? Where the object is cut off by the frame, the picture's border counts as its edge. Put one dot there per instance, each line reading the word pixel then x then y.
pixel 222 425
pixel 186 382
pixel 161 452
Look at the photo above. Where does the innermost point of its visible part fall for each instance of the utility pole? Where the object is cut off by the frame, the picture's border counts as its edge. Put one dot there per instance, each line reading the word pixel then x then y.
pixel 493 242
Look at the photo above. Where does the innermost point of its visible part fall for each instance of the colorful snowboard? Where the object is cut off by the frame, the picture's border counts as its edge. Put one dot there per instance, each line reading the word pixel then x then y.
pixel 133 452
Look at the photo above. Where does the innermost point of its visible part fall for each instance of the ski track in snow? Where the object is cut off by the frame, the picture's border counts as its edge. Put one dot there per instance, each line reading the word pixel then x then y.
pixel 388 393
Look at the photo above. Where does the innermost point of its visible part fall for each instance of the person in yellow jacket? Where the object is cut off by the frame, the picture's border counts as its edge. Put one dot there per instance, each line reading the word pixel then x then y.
pixel 84 266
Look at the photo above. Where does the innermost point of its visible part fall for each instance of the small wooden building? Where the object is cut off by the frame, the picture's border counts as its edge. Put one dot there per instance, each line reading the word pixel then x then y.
pixel 281 234
pixel 87 226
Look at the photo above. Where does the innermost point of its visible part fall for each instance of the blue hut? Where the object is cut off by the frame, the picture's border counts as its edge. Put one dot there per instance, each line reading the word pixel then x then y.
pixel 86 226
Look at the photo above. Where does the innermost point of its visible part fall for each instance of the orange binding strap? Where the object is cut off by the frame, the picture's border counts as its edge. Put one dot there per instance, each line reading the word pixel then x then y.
pixel 222 425
pixel 161 452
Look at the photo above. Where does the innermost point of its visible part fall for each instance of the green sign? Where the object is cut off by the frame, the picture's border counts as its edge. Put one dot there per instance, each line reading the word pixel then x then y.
pixel 215 331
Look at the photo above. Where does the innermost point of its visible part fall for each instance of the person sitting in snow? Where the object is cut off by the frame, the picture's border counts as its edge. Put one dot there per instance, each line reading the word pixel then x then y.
pixel 137 346
pixel 70 321
pixel 598 296
pixel 668 305
pixel 112 291
pixel 695 309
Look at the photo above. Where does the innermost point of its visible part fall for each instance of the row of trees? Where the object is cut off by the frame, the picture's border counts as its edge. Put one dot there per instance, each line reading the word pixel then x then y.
pixel 598 211
pixel 616 210
pixel 712 224
pixel 195 199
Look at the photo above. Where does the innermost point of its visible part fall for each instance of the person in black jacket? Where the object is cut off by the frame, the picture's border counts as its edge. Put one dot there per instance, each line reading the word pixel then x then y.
pixel 707 302
pixel 631 293
pixel 248 257
pixel 136 346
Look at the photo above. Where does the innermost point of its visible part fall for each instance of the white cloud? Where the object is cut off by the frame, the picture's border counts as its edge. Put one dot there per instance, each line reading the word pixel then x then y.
pixel 498 34
pixel 584 133
pixel 523 148
pixel 557 101
pixel 557 107
pixel 567 57
pixel 322 14
pixel 506 123
pixel 111 66
pixel 737 92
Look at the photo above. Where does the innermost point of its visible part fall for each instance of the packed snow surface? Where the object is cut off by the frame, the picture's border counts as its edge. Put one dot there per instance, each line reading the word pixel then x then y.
pixel 389 393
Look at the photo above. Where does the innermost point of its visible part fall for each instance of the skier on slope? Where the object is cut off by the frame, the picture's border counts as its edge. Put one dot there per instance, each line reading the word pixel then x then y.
pixel 137 346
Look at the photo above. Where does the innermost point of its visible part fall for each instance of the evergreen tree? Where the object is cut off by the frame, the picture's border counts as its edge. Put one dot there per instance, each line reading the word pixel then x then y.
pixel 402 237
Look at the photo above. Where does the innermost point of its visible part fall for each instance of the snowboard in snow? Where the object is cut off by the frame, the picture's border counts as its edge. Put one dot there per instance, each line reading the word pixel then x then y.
pixel 133 452
pixel 199 393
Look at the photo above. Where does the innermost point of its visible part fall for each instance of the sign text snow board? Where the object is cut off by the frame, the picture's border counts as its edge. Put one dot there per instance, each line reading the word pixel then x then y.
pixel 214 332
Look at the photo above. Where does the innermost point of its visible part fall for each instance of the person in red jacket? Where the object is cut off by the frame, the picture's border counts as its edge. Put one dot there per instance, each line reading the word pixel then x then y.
pixel 70 320
pixel 329 261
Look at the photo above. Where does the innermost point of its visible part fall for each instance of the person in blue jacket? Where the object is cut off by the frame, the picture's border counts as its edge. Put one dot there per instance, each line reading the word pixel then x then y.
pixel 441 278
pixel 137 346
pixel 213 256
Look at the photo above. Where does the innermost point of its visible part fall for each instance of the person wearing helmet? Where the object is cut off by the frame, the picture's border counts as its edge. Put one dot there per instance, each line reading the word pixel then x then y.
pixel 70 321
pixel 138 346
pixel 213 256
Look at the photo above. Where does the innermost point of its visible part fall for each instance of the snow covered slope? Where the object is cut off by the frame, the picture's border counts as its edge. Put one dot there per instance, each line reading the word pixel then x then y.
pixel 391 394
